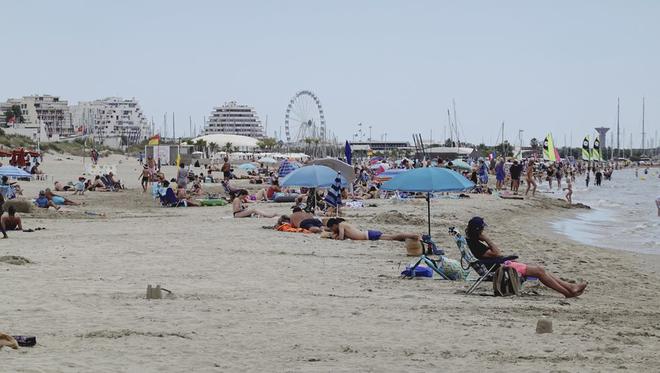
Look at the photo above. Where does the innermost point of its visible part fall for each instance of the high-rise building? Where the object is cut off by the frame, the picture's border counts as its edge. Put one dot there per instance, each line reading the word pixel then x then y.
pixel 113 121
pixel 46 112
pixel 234 119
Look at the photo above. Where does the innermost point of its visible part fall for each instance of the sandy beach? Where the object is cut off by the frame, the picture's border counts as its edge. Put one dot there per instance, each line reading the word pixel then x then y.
pixel 252 299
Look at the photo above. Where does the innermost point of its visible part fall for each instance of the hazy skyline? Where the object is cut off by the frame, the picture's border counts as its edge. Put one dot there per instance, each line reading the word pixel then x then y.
pixel 394 65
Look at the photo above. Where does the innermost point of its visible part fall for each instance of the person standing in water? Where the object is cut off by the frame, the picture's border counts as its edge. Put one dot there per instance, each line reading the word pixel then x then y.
pixel 599 177
pixel 569 190
pixel 529 177
pixel 588 178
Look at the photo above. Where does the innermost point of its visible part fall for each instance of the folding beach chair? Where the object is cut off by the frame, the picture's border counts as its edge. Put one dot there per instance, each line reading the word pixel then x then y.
pixel 170 200
pixel 483 267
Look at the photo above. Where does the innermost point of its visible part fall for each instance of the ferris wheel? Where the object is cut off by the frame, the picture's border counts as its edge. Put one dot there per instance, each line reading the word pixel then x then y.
pixel 304 118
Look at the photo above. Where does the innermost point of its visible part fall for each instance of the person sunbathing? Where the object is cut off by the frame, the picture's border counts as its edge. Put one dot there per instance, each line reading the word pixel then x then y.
pixel 181 195
pixel 61 188
pixel 305 220
pixel 11 222
pixel 43 202
pixel 483 247
pixel 342 230
pixel 241 209
pixel 59 200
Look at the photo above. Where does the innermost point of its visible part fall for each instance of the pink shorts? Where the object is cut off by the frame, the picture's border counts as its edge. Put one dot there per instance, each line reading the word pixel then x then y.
pixel 521 268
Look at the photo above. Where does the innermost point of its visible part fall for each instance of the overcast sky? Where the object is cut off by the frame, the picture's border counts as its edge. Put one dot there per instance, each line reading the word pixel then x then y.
pixel 394 65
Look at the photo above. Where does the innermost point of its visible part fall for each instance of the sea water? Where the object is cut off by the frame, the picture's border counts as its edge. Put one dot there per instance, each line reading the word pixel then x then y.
pixel 623 213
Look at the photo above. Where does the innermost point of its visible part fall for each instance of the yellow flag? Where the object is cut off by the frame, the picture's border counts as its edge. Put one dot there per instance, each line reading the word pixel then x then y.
pixel 178 159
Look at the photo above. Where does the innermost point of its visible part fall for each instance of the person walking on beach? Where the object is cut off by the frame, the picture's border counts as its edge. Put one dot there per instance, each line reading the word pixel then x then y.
pixel 182 176
pixel 483 247
pixel 226 169
pixel 559 174
pixel 499 174
pixel 569 189
pixel 515 170
pixel 588 178
pixel 529 177
pixel 144 177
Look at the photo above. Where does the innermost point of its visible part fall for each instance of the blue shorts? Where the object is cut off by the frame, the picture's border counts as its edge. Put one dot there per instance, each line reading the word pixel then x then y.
pixel 374 235
pixel 58 200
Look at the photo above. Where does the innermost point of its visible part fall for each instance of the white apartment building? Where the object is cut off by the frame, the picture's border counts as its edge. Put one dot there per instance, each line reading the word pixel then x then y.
pixel 44 116
pixel 113 121
pixel 234 119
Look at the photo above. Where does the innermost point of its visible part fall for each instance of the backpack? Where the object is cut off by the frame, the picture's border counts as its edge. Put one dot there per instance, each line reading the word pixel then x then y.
pixel 506 282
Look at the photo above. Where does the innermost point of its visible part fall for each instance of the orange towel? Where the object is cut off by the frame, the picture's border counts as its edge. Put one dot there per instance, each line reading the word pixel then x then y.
pixel 286 227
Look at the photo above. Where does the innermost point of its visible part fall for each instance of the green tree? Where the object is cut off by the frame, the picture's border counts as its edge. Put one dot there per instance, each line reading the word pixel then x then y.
pixel 228 147
pixel 213 147
pixel 534 143
pixel 267 143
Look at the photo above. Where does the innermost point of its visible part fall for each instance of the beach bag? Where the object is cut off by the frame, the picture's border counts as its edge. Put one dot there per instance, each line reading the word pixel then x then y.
pixel 453 269
pixel 506 282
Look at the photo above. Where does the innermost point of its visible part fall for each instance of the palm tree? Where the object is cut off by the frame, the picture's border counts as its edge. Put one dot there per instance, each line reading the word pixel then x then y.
pixel 228 148
pixel 213 147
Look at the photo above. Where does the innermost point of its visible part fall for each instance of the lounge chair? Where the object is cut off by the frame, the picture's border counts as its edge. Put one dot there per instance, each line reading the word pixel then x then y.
pixel 483 267
pixel 7 192
pixel 109 185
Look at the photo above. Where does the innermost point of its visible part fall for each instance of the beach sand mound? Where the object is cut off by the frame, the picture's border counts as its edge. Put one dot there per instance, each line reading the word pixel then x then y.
pixel 20 205
pixel 15 260
pixel 397 218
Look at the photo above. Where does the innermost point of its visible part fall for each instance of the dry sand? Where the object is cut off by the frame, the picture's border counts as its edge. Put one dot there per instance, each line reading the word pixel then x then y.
pixel 251 299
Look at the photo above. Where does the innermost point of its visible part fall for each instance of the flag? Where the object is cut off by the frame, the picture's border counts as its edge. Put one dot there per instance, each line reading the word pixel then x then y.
pixel 586 153
pixel 178 159
pixel 333 197
pixel 348 152
pixel 595 152
pixel 154 140
pixel 549 153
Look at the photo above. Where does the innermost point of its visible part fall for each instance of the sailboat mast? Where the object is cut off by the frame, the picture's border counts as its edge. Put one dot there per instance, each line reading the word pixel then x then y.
pixel 618 148
pixel 643 133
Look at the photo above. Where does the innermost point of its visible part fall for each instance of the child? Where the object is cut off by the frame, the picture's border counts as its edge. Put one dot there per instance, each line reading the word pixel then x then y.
pixel 79 186
pixel 342 230
pixel 144 178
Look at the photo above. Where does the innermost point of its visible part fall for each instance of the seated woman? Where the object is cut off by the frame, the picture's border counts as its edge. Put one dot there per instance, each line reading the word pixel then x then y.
pixel 482 247
pixel 96 184
pixel 196 190
pixel 241 210
pixel 181 195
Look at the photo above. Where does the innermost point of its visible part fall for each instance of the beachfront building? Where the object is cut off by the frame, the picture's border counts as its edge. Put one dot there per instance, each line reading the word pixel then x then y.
pixel 234 119
pixel 112 121
pixel 42 117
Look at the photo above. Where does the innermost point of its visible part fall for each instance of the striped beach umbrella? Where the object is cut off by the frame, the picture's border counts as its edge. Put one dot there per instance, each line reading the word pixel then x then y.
pixel 333 197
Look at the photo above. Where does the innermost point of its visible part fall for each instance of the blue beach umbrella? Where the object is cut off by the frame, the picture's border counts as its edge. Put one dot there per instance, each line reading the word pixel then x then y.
pixel 11 171
pixel 247 167
pixel 428 180
pixel 286 168
pixel 314 176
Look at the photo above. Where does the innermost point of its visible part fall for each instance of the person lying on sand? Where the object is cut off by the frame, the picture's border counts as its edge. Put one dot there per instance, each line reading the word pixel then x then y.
pixel 482 247
pixel 342 230
pixel 61 188
pixel 11 222
pixel 305 220
pixel 43 202
pixel 241 210
pixel 59 200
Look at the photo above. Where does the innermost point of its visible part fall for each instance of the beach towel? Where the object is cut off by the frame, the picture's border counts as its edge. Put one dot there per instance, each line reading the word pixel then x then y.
pixel 286 227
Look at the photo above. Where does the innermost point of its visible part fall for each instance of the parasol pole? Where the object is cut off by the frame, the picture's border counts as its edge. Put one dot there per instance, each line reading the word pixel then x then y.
pixel 428 210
